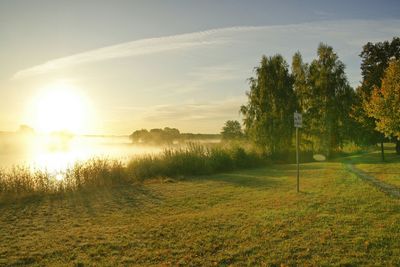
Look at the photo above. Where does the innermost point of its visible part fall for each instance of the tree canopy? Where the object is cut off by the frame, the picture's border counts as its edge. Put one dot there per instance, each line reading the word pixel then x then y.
pixel 327 101
pixel 268 115
pixel 384 105
pixel 319 90
pixel 375 59
pixel 232 130
pixel 155 136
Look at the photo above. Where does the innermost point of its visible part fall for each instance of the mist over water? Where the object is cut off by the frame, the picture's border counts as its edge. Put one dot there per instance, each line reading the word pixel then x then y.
pixel 55 153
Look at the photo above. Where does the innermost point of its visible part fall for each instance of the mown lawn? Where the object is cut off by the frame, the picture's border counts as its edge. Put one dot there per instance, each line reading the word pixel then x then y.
pixel 251 217
pixel 387 171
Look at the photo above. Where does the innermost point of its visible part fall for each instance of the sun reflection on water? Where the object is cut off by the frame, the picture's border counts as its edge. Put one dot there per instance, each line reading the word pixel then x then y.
pixel 55 154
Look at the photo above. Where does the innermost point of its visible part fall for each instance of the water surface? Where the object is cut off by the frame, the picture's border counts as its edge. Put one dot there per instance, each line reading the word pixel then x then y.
pixel 55 153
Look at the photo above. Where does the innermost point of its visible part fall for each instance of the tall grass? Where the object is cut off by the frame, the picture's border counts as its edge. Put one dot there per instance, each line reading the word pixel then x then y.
pixel 20 181
pixel 194 159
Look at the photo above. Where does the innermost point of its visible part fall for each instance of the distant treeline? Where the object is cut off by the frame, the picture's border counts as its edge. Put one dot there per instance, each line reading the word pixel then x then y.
pixel 167 135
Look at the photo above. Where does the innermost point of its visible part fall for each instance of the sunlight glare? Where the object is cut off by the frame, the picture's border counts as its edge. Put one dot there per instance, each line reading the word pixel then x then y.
pixel 60 107
pixel 59 177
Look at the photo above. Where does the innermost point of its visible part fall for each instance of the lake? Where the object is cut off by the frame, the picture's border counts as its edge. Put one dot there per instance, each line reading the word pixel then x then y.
pixel 55 153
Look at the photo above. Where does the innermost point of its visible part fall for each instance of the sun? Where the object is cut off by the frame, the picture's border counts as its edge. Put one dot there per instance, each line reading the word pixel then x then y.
pixel 60 107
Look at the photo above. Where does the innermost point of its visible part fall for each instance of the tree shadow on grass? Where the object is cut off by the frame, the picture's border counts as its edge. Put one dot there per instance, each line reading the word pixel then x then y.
pixel 265 177
pixel 253 178
pixel 89 202
pixel 105 200
pixel 303 166
pixel 246 180
pixel 371 158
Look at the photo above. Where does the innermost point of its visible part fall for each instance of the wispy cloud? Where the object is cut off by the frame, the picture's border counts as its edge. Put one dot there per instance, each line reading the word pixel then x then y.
pixel 146 46
pixel 350 34
pixel 134 48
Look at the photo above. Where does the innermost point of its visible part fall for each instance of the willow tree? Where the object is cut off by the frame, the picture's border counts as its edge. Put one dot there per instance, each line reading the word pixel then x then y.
pixel 268 114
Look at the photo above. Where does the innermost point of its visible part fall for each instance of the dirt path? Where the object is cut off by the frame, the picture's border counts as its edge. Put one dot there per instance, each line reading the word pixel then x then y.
pixel 384 187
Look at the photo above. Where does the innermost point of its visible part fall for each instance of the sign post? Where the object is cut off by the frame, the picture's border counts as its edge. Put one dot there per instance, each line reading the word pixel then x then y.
pixel 298 123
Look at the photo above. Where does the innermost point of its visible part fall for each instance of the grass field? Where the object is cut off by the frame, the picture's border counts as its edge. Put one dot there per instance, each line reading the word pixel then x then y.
pixel 251 217
pixel 387 172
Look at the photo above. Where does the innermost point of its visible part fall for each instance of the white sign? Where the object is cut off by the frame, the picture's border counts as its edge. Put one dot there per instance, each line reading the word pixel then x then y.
pixel 298 120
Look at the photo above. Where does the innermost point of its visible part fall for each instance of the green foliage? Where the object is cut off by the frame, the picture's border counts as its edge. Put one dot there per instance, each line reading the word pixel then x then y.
pixel 366 133
pixel 328 102
pixel 268 115
pixel 384 104
pixel 21 181
pixel 375 59
pixel 319 90
pixel 155 136
pixel 140 136
pixel 232 130
pixel 167 136
pixel 194 159
pixel 300 74
pixel 243 218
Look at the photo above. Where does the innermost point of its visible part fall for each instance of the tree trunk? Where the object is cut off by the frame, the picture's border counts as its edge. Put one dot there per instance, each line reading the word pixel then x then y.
pixel 382 151
pixel 398 147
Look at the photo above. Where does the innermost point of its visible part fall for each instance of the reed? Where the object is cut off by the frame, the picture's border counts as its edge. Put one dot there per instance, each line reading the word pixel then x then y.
pixel 193 159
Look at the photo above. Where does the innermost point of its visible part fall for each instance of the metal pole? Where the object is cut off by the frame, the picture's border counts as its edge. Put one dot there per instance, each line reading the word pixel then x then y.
pixel 297 159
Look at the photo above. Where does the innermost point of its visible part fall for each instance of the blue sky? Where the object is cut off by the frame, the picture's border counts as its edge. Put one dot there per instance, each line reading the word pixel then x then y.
pixel 184 64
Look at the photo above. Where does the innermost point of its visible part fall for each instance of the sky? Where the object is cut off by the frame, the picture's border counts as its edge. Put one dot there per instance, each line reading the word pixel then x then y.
pixel 154 64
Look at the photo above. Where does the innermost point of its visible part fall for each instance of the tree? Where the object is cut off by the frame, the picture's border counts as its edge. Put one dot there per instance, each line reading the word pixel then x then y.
pixel 325 98
pixel 140 136
pixel 300 73
pixel 25 129
pixel 155 136
pixel 384 105
pixel 303 93
pixel 375 59
pixel 232 130
pixel 170 135
pixel 268 115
